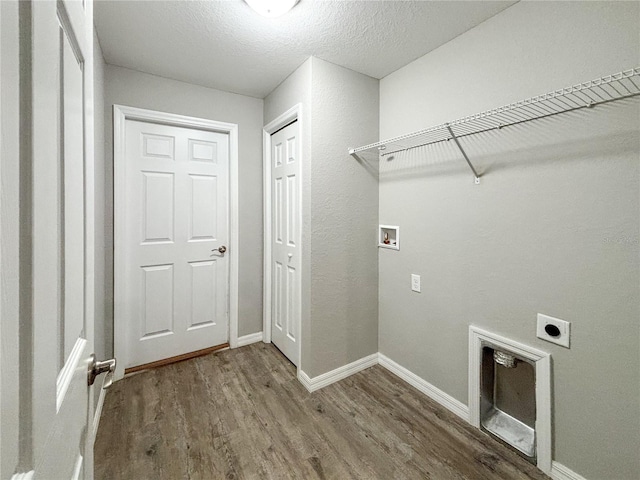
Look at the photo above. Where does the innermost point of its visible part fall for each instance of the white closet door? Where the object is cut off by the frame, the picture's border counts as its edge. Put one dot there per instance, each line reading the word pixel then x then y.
pixel 285 242
pixel 176 279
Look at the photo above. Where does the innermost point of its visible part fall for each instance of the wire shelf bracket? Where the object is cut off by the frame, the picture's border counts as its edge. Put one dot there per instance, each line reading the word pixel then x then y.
pixel 464 154
pixel 610 88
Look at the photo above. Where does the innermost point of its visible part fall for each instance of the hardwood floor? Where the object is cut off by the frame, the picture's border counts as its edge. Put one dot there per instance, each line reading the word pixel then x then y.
pixel 242 414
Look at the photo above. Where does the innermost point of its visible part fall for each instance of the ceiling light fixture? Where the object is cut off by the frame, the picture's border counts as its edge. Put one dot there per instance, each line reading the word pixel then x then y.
pixel 272 8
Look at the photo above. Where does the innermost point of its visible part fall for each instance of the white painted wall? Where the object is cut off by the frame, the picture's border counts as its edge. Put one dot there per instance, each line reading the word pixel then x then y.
pixel 340 203
pixel 136 89
pixel 553 228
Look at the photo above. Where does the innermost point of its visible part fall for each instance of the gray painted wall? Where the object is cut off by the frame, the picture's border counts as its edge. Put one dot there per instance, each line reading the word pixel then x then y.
pixel 135 89
pixel 553 228
pixel 344 219
pixel 296 88
pixel 340 196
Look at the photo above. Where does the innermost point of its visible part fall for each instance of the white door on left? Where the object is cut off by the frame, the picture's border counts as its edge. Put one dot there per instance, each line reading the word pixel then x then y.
pixel 60 221
pixel 173 293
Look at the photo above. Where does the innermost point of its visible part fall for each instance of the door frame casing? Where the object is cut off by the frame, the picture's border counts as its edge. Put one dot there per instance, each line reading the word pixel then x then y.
pixel 291 115
pixel 10 218
pixel 121 114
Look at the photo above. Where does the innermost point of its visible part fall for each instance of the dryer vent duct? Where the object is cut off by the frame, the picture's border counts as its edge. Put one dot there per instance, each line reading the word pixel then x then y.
pixel 505 359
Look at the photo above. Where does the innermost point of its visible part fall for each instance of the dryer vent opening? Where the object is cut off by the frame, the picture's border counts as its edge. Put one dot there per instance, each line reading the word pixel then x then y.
pixel 510 394
pixel 508 400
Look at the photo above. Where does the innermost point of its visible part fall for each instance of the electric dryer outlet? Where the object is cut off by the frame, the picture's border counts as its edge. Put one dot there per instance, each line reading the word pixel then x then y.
pixel 553 330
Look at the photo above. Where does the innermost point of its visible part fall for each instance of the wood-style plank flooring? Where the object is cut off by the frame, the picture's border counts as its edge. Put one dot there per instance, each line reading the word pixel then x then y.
pixel 243 414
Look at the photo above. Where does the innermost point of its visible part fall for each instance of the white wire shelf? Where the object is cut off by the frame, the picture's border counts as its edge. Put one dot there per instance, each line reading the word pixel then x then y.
pixel 589 94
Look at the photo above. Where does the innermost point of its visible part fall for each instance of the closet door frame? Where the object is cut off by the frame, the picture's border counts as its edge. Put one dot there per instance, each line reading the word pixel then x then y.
pixel 291 115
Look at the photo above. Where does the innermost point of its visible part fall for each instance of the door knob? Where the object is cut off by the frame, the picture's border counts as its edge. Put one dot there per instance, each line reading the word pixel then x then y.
pixel 96 368
pixel 290 256
pixel 221 249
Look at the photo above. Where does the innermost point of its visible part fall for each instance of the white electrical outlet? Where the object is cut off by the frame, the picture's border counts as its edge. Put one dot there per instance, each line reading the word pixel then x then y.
pixel 553 330
pixel 415 282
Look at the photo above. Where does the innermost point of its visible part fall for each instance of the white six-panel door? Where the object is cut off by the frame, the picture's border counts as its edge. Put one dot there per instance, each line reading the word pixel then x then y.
pixel 285 241
pixel 175 292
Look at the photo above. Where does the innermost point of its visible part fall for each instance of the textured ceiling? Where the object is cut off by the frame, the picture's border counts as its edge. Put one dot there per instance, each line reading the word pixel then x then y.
pixel 225 45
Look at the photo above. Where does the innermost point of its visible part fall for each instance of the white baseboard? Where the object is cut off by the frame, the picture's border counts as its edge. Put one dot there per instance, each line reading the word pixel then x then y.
pixel 560 472
pixel 447 401
pixel 249 339
pixel 425 387
pixel 316 383
pixel 98 413
pixel 304 379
